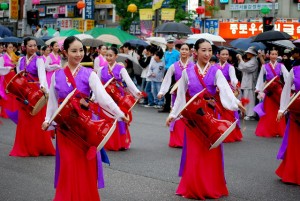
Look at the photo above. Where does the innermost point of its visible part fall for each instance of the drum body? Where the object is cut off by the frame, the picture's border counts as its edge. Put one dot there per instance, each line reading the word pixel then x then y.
pixel 125 102
pixel 274 89
pixel 28 93
pixel 73 118
pixel 295 106
pixel 198 118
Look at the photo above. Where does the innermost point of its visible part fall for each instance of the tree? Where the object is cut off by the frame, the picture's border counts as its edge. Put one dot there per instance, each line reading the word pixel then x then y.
pixel 180 14
pixel 121 9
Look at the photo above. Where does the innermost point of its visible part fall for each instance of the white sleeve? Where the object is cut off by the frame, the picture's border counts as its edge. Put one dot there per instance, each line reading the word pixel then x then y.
pixel 96 64
pixel 130 85
pixel 52 101
pixel 180 98
pixel 228 100
pixel 51 67
pixel 232 75
pixel 42 73
pixel 285 72
pixel 103 99
pixel 166 83
pixel 3 70
pixel 18 65
pixel 260 80
pixel 286 91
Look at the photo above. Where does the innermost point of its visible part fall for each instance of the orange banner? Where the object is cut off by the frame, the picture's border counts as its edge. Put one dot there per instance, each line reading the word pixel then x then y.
pixel 234 30
pixel 13 9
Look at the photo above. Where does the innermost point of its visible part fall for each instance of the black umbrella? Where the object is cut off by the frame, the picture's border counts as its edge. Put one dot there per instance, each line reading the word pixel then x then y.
pixel 92 42
pixel 137 42
pixel 4 31
pixel 39 41
pixel 11 39
pixel 173 28
pixel 271 36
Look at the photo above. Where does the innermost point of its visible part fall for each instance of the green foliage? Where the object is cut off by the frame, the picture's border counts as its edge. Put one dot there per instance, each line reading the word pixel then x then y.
pixel 121 9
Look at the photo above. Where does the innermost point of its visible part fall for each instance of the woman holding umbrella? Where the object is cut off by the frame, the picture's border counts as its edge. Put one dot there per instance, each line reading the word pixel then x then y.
pixel 202 169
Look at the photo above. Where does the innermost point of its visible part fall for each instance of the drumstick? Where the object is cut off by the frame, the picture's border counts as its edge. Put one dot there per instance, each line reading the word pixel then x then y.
pixel 108 82
pixel 293 98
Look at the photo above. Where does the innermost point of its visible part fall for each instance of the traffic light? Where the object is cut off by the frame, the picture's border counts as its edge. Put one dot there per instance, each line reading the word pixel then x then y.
pixel 33 17
pixel 267 24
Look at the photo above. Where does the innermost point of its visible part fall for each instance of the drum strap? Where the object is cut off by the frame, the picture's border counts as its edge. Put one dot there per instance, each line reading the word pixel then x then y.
pixel 70 76
pixel 273 70
pixel 200 77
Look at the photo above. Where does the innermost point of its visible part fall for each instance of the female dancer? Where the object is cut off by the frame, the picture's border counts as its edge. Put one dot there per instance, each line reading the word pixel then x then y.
pixel 53 61
pixel 46 51
pixel 229 73
pixel 177 127
pixel 203 174
pixel 10 60
pixel 120 139
pixel 289 169
pixel 267 125
pixel 30 139
pixel 77 178
pixel 100 61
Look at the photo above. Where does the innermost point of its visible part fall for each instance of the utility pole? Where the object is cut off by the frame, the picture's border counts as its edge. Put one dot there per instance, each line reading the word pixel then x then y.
pixel 273 13
pixel 26 29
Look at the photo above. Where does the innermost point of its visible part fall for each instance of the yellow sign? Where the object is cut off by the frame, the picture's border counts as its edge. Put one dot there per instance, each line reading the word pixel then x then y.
pixel 100 2
pixel 168 14
pixel 13 9
pixel 89 24
pixel 78 23
pixel 146 14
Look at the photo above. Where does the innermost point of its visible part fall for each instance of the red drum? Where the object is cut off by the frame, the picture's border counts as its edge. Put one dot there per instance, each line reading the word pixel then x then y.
pixel 294 105
pixel 273 89
pixel 197 117
pixel 28 93
pixel 75 120
pixel 125 102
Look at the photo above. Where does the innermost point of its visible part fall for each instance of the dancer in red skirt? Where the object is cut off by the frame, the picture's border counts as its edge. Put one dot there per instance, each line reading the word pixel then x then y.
pixel 229 73
pixel 77 174
pixel 202 170
pixel 289 168
pixel 177 127
pixel 8 101
pixel 120 139
pixel 30 139
pixel 267 125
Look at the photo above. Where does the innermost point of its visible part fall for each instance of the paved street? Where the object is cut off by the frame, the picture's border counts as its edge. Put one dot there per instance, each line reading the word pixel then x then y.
pixel 148 171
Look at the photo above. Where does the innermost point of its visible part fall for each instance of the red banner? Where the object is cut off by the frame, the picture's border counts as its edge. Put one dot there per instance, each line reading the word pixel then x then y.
pixel 234 30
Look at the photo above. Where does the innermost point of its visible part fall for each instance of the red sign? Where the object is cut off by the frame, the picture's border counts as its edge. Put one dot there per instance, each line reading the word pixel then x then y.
pixel 234 30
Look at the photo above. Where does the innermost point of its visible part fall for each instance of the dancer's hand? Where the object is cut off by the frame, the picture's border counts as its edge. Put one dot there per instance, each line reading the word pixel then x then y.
pixel 159 96
pixel 169 120
pixel 45 126
pixel 126 119
pixel 242 108
pixel 279 116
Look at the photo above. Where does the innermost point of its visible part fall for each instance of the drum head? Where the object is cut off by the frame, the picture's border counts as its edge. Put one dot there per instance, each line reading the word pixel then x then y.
pixel 12 80
pixel 223 136
pixel 175 86
pixel 62 105
pixel 39 105
pixel 268 84
pixel 107 136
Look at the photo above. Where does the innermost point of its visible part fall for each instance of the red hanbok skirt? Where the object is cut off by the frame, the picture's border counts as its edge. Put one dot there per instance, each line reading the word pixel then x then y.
pixel 177 134
pixel 30 139
pixel 203 172
pixel 77 179
pixel 267 125
pixel 119 141
pixel 289 169
pixel 8 102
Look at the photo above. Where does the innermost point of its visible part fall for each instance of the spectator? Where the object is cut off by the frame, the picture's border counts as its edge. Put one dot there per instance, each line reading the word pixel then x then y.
pixel 57 32
pixel 156 75
pixel 286 59
pixel 38 31
pixel 296 57
pixel 250 71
